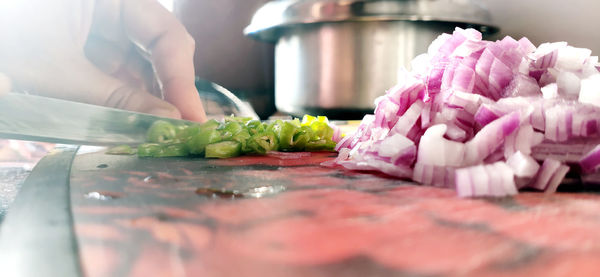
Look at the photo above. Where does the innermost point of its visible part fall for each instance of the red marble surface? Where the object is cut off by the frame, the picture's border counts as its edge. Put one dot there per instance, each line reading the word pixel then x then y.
pixel 159 217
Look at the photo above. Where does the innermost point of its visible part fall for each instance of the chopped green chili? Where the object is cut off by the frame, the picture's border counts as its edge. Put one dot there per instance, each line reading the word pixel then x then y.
pixel 235 136
pixel 121 150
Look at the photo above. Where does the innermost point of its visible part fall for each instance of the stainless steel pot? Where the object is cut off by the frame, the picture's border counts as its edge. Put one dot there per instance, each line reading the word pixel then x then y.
pixel 334 57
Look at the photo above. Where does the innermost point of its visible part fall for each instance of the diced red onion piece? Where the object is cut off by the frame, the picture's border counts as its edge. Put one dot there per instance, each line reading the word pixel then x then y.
pixel 568 85
pixel 344 143
pixel 486 114
pixel 496 156
pixel 522 140
pixel 523 166
pixel 475 180
pixel 556 179
pixel 406 122
pixel 522 85
pixel 571 152
pixel 468 101
pixel 496 188
pixel 590 90
pixel 434 149
pixel 546 54
pixel 545 173
pixel 464 78
pixel 374 164
pixel 550 91
pixel 464 184
pixel 397 146
pixel 590 67
pixel 432 175
pixel 480 179
pixel 590 162
pixel 551 119
pixel 571 58
pixel 500 76
pixel 337 133
pixel 508 180
pixel 490 137
pixel 525 46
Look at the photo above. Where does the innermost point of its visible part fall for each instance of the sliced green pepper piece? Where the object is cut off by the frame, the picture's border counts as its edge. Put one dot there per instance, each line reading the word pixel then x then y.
pixel 242 120
pixel 322 130
pixel 320 145
pixel 242 137
pixel 233 127
pixel 302 136
pixel 286 135
pixel 262 143
pixel 148 149
pixel 255 127
pixel 229 129
pixel 210 125
pixel 121 150
pixel 199 141
pixel 188 132
pixel 161 131
pixel 308 119
pixel 223 149
pixel 173 150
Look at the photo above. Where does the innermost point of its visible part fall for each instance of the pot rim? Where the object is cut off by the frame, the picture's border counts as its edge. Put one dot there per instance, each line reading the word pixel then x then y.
pixel 272 18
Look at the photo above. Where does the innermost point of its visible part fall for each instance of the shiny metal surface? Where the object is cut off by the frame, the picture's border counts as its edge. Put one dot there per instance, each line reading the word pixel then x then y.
pixel 335 57
pixel 276 16
pixel 338 69
pixel 36 118
pixel 37 236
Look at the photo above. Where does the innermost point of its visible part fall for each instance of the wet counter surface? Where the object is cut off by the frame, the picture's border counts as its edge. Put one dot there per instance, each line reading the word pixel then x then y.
pixel 285 215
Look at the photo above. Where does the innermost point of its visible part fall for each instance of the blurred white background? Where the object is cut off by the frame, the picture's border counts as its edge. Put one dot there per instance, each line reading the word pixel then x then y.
pixel 574 21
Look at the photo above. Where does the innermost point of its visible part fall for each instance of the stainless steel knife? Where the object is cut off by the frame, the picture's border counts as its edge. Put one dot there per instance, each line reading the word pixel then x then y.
pixel 37 118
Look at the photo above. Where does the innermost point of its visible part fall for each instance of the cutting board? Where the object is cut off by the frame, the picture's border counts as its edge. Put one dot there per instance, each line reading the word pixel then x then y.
pixel 286 215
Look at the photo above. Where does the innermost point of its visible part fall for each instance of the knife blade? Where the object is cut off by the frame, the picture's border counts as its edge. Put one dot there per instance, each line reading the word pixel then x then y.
pixel 37 118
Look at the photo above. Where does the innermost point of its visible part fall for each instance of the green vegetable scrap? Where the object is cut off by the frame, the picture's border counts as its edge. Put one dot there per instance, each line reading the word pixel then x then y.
pixel 121 150
pixel 236 136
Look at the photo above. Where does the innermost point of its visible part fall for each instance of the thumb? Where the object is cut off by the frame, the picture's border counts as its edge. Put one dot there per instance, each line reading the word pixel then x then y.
pixel 4 84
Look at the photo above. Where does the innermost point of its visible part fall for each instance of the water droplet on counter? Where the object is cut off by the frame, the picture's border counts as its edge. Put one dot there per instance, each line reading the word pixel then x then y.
pixel 102 166
pixel 105 195
pixel 263 191
pixel 147 179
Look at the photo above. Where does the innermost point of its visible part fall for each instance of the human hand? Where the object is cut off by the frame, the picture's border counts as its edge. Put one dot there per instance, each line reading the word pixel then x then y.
pixel 101 52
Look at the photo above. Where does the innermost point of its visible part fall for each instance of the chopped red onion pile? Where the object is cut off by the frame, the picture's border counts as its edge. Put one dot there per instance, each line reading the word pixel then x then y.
pixel 485 117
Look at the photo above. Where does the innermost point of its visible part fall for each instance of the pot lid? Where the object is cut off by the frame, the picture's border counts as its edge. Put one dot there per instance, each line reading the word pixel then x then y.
pixel 268 21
